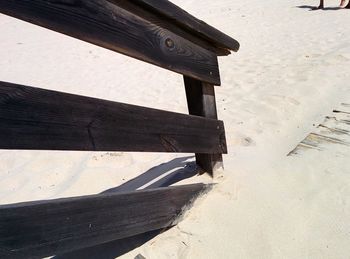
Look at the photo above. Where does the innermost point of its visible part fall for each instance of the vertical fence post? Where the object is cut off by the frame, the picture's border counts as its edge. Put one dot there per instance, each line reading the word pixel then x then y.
pixel 201 102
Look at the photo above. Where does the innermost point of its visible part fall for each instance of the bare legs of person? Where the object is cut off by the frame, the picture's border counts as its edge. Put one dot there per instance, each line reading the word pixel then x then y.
pixel 342 3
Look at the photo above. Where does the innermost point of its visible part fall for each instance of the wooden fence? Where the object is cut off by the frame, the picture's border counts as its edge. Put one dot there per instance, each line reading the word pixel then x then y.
pixel 154 31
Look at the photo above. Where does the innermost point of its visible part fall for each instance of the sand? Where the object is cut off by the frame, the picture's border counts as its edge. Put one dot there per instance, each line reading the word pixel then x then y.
pixel 291 72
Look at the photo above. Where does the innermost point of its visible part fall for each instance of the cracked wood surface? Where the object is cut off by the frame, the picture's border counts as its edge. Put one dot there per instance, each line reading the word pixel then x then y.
pixel 38 119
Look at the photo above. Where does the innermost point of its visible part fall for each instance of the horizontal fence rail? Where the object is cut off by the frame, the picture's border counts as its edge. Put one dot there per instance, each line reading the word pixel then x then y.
pixel 43 228
pixel 191 23
pixel 123 27
pixel 33 118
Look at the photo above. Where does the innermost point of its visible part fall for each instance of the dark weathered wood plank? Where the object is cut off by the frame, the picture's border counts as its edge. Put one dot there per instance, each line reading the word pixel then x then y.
pixel 109 25
pixel 165 22
pixel 189 22
pixel 33 118
pixel 201 102
pixel 43 228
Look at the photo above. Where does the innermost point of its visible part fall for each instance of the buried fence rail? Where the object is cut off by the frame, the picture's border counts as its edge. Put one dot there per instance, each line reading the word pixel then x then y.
pixel 154 31
pixel 63 225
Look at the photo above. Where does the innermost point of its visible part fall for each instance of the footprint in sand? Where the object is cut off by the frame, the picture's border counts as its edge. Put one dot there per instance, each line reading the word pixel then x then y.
pixel 240 140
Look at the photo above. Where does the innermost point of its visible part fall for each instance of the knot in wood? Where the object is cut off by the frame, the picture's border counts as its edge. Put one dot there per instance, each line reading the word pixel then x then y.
pixel 169 43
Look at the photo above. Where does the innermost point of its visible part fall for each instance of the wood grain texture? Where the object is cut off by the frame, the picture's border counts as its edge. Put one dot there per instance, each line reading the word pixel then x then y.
pixel 201 102
pixel 108 25
pixel 189 22
pixel 33 118
pixel 154 17
pixel 44 228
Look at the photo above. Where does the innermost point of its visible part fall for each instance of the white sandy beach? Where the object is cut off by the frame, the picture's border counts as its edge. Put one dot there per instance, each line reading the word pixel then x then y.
pixel 292 70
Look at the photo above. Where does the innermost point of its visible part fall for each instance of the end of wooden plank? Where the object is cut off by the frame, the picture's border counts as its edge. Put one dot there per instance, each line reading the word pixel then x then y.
pixel 206 188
